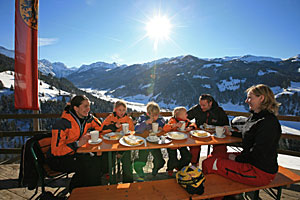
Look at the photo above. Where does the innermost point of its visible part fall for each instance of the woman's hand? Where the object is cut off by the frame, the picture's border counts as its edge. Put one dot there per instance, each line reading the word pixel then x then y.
pixel 84 139
pixel 118 125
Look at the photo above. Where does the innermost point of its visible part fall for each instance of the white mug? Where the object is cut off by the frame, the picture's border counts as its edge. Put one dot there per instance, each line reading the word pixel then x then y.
pixel 94 136
pixel 182 127
pixel 163 139
pixel 155 127
pixel 125 128
pixel 220 130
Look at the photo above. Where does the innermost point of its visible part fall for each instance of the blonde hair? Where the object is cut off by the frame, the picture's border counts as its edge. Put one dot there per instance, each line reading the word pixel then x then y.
pixel 269 103
pixel 178 110
pixel 120 103
pixel 153 108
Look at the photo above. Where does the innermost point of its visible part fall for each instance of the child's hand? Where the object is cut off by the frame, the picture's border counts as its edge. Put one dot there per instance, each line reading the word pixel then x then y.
pixel 160 128
pixel 149 121
pixel 178 125
pixel 118 125
pixel 188 128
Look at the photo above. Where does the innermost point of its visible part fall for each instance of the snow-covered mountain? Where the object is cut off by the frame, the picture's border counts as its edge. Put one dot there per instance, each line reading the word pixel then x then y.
pixel 246 58
pixel 180 81
pixel 99 65
pixel 6 52
pixel 46 91
pixel 55 69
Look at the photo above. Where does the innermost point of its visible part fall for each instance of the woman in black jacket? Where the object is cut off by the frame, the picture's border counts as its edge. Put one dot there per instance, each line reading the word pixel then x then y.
pixel 257 163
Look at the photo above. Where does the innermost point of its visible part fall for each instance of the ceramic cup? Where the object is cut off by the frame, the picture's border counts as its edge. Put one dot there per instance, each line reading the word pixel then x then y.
pixel 220 130
pixel 94 136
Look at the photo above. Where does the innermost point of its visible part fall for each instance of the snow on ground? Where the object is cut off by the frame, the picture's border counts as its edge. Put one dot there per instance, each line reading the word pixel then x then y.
pixel 145 86
pixel 290 127
pixel 232 84
pixel 212 64
pixel 46 92
pixel 7 78
pixel 292 162
pixel 201 77
pixel 295 86
pixel 276 89
pixel 180 74
pixel 233 107
pixel 206 85
pixel 268 71
pixel 101 94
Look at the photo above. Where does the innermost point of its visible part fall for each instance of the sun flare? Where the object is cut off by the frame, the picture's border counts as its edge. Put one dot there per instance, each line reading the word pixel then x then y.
pixel 158 28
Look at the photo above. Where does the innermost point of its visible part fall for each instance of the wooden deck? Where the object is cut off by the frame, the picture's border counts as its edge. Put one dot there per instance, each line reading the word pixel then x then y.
pixel 9 185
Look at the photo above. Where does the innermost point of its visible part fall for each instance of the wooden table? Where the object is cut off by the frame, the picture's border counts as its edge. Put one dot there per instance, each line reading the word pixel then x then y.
pixel 110 146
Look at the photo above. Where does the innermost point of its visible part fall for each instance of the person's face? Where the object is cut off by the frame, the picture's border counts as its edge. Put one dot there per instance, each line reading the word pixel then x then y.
pixel 83 110
pixel 205 105
pixel 154 116
pixel 120 111
pixel 182 115
pixel 254 102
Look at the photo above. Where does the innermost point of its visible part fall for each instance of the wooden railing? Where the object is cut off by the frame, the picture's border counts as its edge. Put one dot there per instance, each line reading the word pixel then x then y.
pixel 134 114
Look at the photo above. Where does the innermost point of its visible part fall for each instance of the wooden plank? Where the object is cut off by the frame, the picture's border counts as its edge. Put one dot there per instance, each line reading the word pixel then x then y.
pixel 19 133
pixel 215 186
pixel 8 195
pixel 28 116
pixel 135 114
pixel 10 151
pixel 158 190
pixel 288 152
pixel 218 186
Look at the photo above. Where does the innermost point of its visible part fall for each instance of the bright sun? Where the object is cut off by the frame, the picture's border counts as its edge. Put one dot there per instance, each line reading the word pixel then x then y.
pixel 158 28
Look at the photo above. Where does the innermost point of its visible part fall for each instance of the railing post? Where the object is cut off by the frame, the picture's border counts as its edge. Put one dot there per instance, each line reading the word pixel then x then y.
pixel 36 124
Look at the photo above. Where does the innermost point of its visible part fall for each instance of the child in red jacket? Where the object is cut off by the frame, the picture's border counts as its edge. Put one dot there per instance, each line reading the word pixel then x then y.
pixel 179 115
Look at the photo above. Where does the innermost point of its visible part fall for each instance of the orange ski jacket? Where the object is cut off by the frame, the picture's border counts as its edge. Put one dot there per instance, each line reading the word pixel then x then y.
pixel 169 126
pixel 109 124
pixel 67 131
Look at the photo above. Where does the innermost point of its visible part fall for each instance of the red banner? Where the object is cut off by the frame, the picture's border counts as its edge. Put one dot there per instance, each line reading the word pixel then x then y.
pixel 26 59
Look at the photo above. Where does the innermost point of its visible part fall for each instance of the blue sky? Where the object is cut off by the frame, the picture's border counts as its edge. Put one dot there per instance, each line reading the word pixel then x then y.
pixel 85 31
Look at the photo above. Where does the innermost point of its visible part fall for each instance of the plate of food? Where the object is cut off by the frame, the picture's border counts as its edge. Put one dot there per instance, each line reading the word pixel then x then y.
pixel 200 133
pixel 209 128
pixel 176 135
pixel 113 136
pixel 132 141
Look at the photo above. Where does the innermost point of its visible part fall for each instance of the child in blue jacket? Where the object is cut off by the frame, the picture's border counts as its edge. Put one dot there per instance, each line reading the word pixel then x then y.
pixel 145 123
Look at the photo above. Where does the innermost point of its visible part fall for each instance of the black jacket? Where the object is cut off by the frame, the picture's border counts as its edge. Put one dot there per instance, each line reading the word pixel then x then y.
pixel 261 135
pixel 215 116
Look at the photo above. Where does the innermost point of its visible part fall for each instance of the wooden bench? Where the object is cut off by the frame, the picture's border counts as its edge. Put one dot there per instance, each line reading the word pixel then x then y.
pixel 215 186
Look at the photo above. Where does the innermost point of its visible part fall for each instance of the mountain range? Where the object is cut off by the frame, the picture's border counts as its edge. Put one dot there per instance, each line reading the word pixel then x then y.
pixel 180 80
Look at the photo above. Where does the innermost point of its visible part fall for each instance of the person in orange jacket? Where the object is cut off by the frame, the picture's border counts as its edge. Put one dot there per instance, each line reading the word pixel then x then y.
pixel 113 123
pixel 69 133
pixel 179 114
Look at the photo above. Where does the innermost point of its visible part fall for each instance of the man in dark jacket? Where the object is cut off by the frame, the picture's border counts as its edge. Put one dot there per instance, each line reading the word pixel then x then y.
pixel 209 112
